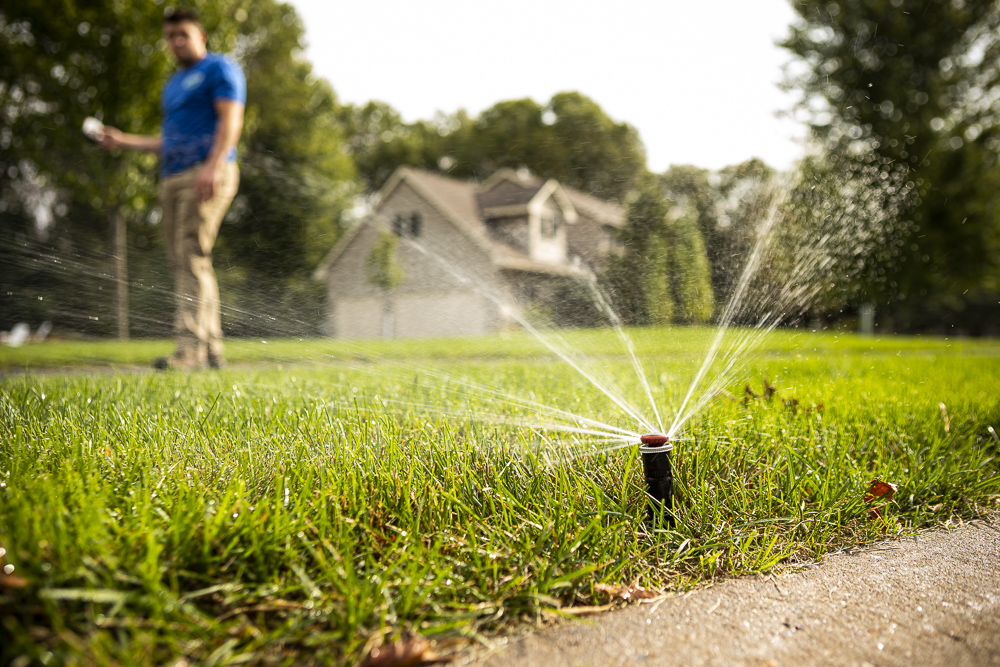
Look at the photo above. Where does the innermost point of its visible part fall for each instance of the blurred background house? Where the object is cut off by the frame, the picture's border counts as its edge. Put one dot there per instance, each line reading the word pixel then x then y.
pixel 465 257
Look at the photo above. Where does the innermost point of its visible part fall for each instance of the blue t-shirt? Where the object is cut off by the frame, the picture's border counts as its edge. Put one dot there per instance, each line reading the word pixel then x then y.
pixel 189 116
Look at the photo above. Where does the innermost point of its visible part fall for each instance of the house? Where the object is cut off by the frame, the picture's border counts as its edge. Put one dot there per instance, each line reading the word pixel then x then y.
pixel 472 255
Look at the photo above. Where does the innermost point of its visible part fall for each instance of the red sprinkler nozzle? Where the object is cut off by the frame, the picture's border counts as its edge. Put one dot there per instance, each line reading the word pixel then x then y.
pixel 654 439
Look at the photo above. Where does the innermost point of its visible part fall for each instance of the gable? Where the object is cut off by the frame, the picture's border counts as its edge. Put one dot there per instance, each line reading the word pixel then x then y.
pixel 441 256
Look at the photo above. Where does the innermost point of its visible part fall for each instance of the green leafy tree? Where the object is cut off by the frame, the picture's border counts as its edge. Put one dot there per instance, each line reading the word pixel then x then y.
pixel 570 139
pixel 386 272
pixel 727 207
pixel 384 268
pixel 914 83
pixel 107 60
pixel 663 275
pixel 56 68
pixel 692 276
pixel 296 180
pixel 658 296
pixel 380 142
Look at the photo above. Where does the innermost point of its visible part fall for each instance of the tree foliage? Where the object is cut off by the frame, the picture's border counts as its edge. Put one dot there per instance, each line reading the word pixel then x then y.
pixel 570 139
pixel 384 268
pixel 108 60
pixel 663 276
pixel 916 84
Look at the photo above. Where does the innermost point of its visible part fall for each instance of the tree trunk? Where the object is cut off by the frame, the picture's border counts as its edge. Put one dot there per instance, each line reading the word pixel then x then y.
pixel 121 272
pixel 388 315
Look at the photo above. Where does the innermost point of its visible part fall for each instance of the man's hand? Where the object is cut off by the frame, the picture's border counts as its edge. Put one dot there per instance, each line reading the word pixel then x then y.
pixel 207 181
pixel 111 137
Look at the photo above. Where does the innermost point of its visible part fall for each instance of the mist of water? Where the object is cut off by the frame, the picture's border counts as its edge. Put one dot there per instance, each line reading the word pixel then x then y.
pixel 785 271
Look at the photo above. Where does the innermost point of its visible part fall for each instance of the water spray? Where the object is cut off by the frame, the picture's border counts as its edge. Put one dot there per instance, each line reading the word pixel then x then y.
pixel 655 449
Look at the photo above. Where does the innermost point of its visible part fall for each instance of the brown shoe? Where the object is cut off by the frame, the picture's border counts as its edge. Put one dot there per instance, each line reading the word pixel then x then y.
pixel 215 361
pixel 174 362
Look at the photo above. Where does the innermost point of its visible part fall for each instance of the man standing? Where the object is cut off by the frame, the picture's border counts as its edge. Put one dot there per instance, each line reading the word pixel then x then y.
pixel 203 106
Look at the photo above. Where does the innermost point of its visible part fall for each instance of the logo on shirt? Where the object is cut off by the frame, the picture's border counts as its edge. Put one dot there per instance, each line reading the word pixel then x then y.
pixel 192 80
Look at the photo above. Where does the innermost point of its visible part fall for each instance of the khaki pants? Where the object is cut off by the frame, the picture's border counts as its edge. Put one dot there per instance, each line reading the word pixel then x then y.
pixel 190 228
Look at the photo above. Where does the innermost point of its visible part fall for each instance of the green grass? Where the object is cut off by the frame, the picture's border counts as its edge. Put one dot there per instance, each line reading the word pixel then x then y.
pixel 301 505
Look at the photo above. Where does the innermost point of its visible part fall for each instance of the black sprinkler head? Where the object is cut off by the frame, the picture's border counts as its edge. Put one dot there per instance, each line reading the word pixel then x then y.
pixel 655 450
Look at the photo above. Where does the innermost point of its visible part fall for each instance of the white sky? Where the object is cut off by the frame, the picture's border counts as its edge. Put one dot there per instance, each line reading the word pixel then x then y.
pixel 697 78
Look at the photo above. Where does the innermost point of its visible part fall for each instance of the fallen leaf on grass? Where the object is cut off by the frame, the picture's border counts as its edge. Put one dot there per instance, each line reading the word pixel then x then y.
pixel 768 390
pixel 878 489
pixel 632 593
pixel 407 652
pixel 12 581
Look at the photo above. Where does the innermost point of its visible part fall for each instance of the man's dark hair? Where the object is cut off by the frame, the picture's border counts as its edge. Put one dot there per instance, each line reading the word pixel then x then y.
pixel 177 15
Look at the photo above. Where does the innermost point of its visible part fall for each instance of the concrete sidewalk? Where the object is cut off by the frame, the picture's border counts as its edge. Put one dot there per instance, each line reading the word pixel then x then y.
pixel 929 600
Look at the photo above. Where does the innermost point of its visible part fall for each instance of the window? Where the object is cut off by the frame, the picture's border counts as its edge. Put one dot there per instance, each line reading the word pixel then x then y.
pixel 550 226
pixel 411 227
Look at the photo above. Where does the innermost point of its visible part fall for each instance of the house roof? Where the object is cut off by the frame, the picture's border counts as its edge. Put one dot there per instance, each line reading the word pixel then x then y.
pixel 457 197
pixel 508 192
pixel 507 187
pixel 465 204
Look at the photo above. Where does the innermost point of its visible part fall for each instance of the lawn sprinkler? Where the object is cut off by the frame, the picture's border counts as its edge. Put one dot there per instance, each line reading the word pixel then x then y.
pixel 655 450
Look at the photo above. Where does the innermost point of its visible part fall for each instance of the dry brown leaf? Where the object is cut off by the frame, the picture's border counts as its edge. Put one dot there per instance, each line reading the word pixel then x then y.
pixel 879 489
pixel 631 593
pixel 12 581
pixel 407 652
pixel 768 390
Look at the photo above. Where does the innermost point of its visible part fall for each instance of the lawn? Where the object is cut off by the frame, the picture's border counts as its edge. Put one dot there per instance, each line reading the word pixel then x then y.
pixel 318 497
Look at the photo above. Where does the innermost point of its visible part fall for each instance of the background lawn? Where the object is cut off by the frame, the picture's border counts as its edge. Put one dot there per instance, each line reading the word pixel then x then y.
pixel 317 497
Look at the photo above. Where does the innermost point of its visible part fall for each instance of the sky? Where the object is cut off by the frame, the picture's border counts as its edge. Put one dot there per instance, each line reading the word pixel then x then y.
pixel 697 78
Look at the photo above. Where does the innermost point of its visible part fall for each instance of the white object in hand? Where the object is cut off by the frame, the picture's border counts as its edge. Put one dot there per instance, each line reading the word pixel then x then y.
pixel 93 129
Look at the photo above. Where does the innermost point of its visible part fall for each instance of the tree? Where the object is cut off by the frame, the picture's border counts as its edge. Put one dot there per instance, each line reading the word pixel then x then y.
pixel 692 277
pixel 386 273
pixel 56 68
pixel 914 82
pixel 663 275
pixel 657 295
pixel 727 207
pixel 297 179
pixel 570 139
pixel 105 59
